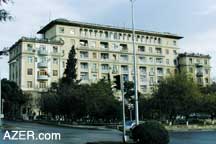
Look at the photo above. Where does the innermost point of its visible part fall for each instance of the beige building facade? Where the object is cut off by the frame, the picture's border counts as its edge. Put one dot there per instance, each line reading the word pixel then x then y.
pixel 197 66
pixel 101 51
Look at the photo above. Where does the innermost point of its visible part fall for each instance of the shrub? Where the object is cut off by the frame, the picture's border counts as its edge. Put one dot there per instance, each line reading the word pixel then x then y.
pixel 150 132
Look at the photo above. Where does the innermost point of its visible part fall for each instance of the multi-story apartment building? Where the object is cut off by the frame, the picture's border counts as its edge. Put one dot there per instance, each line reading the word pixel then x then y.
pixel 197 66
pixel 101 51
pixel 34 64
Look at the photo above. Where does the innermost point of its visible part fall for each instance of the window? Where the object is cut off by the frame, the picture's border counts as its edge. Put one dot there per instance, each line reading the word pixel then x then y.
pixel 94 77
pixel 104 45
pixel 206 71
pixel 206 62
pixel 83 54
pixel 191 70
pixel 105 68
pixel 174 43
pixel 168 71
pixel 29 84
pixel 84 43
pixel 42 85
pixel 72 31
pixel 30 59
pixel 143 88
pixel 61 29
pixel 174 52
pixel 55 49
pixel 141 48
pixel 115 46
pixel 125 77
pixel 143 78
pixel 151 60
pixel 29 71
pixel 55 61
pixel 115 69
pixel 106 34
pixel 94 67
pixel 124 58
pixel 115 35
pixel 167 61
pixel 29 47
pixel 142 59
pixel 42 73
pixel 142 70
pixel 175 62
pixel 160 71
pixel 159 60
pixel 150 49
pixel 159 40
pixel 190 61
pixel 167 51
pixel 124 69
pixel 104 56
pixel 84 66
pixel 123 47
pixel 55 72
pixel 94 55
pixel 158 50
pixel 206 80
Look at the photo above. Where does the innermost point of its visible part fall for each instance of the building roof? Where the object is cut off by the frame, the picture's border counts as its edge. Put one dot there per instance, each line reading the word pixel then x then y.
pixel 194 55
pixel 104 27
pixel 37 40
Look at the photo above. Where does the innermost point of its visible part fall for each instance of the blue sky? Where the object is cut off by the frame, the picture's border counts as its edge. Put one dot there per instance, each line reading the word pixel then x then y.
pixel 193 19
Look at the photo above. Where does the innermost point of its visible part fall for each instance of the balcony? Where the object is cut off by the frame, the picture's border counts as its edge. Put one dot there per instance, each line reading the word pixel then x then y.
pixel 151 73
pixel 42 77
pixel 145 82
pixel 94 70
pixel 105 70
pixel 160 73
pixel 42 52
pixel 199 74
pixel 199 65
pixel 42 65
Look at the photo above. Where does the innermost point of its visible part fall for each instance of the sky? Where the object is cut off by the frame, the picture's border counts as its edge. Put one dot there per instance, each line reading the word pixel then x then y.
pixel 195 20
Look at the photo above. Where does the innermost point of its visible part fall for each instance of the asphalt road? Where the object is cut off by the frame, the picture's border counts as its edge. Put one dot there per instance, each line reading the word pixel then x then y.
pixel 68 135
pixel 81 136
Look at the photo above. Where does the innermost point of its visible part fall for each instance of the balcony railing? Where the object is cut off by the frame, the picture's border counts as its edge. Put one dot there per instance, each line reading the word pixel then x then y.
pixel 199 74
pixel 42 64
pixel 42 77
pixel 151 73
pixel 42 52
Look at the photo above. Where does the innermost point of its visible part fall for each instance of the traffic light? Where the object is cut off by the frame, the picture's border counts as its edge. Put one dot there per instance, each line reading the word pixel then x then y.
pixel 117 82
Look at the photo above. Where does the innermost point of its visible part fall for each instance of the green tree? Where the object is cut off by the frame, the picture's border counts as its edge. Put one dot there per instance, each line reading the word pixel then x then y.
pixel 70 71
pixel 101 103
pixel 4 14
pixel 14 98
pixel 176 95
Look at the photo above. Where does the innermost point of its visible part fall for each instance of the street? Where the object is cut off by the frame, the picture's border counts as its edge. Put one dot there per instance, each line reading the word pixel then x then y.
pixel 68 135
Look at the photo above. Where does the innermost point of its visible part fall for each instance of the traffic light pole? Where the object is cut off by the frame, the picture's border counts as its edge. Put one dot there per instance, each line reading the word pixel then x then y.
pixel 123 108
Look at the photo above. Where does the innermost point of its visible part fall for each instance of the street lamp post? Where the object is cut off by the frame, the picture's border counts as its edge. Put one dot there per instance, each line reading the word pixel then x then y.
pixel 134 64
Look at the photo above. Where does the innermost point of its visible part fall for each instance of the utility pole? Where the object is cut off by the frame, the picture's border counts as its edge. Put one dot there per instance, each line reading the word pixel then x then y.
pixel 134 64
pixel 123 108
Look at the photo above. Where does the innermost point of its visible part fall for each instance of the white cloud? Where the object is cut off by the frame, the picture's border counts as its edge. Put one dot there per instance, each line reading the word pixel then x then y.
pixel 202 42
